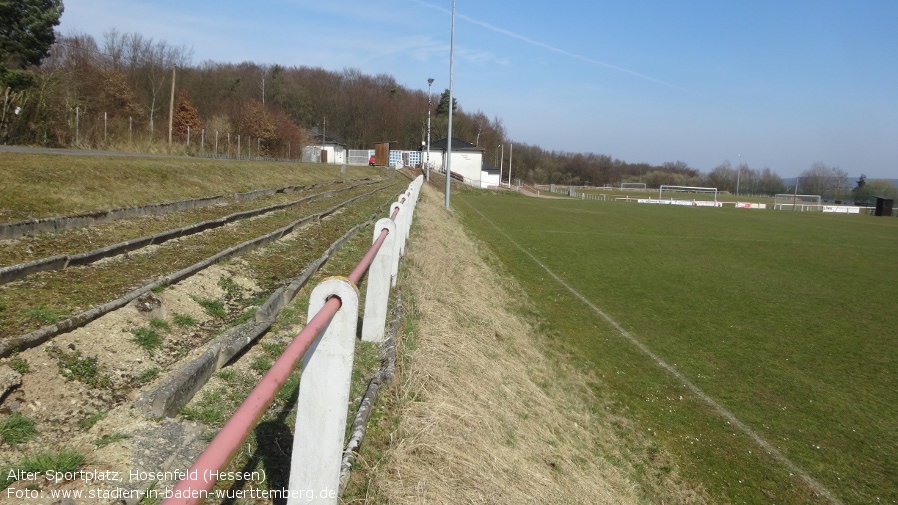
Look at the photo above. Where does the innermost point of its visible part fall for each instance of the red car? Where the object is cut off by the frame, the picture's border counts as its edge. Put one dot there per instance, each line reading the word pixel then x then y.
pixel 371 161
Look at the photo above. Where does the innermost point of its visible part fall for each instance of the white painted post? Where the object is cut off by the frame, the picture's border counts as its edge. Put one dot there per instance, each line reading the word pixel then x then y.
pixel 379 275
pixel 394 269
pixel 412 193
pixel 405 222
pixel 416 191
pixel 323 398
pixel 419 182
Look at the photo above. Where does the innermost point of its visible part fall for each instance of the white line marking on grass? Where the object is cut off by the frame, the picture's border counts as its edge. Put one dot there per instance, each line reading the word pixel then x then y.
pixel 773 451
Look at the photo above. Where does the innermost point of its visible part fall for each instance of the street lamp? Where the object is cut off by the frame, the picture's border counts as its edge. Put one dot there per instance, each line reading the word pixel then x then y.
pixel 429 83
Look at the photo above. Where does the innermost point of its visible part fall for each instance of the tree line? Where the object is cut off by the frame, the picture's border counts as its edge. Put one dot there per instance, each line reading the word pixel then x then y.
pixel 114 93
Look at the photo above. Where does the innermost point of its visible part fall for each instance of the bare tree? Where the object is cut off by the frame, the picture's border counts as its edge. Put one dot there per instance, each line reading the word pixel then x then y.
pixel 149 63
pixel 820 179
pixel 722 177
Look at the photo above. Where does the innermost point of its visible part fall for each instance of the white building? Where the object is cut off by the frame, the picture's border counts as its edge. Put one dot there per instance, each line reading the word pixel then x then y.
pixel 467 162
pixel 324 150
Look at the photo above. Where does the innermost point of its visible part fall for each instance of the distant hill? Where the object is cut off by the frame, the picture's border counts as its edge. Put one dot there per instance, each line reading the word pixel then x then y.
pixel 852 181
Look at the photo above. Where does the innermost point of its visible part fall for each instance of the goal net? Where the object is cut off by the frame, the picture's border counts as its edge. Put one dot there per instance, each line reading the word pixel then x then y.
pixel 804 203
pixel 632 185
pixel 695 195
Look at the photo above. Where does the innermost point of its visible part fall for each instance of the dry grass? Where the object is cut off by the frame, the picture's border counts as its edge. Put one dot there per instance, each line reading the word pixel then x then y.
pixel 485 415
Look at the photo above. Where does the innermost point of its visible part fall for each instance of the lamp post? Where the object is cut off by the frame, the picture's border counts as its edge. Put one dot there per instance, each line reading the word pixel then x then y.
pixel 449 137
pixel 738 174
pixel 501 159
pixel 510 155
pixel 429 83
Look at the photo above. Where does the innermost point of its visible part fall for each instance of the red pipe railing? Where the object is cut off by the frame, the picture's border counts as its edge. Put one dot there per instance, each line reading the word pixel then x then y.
pixel 356 275
pixel 200 479
pixel 195 487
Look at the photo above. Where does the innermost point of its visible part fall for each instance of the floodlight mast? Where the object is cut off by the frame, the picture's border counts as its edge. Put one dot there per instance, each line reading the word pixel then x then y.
pixel 501 160
pixel 449 137
pixel 429 83
pixel 795 194
pixel 738 173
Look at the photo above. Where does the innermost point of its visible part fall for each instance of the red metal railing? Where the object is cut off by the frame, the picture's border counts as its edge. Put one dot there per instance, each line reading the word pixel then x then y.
pixel 201 477
pixel 194 488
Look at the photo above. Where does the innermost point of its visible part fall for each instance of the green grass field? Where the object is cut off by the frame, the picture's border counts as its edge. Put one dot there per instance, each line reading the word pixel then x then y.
pixel 786 320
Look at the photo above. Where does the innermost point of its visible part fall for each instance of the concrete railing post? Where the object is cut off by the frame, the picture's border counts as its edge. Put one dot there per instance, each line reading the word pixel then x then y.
pixel 394 268
pixel 379 275
pixel 323 397
pixel 402 221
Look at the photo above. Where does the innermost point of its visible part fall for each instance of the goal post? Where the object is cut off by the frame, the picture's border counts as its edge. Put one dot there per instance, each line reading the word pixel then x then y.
pixel 706 193
pixel 632 185
pixel 802 203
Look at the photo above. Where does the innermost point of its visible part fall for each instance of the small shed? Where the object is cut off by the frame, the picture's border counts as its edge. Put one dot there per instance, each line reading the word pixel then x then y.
pixel 323 149
pixel 884 206
pixel 467 160
pixel 382 153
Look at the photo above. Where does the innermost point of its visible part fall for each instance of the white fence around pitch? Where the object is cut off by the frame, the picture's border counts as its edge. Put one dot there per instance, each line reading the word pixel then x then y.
pixel 686 203
pixel 574 191
pixel 794 201
pixel 750 205
pixel 842 209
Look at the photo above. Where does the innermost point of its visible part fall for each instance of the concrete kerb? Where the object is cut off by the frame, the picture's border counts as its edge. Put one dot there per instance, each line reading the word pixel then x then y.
pixel 166 399
pixel 54 224
pixel 14 272
pixel 43 334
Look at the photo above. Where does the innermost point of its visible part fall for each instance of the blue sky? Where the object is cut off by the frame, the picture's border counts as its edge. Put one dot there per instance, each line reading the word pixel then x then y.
pixel 779 84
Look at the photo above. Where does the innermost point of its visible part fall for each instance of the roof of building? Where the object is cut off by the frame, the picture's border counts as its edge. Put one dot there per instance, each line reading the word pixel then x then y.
pixel 318 138
pixel 457 145
pixel 490 169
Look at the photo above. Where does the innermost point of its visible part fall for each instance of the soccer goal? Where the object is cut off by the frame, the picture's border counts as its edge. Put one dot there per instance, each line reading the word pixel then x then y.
pixel 803 203
pixel 699 196
pixel 633 185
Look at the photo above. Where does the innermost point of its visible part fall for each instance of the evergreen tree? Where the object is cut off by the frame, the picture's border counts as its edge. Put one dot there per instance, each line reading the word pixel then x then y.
pixel 26 35
pixel 443 106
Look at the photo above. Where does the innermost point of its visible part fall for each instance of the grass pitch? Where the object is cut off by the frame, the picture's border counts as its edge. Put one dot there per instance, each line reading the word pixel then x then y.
pixel 786 320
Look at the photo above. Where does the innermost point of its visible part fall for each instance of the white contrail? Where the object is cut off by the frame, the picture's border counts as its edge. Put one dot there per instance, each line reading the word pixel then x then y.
pixel 729 416
pixel 548 47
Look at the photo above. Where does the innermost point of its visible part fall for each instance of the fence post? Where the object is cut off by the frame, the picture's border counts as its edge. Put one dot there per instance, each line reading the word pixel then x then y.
pixel 394 270
pixel 379 275
pixel 405 222
pixel 323 397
